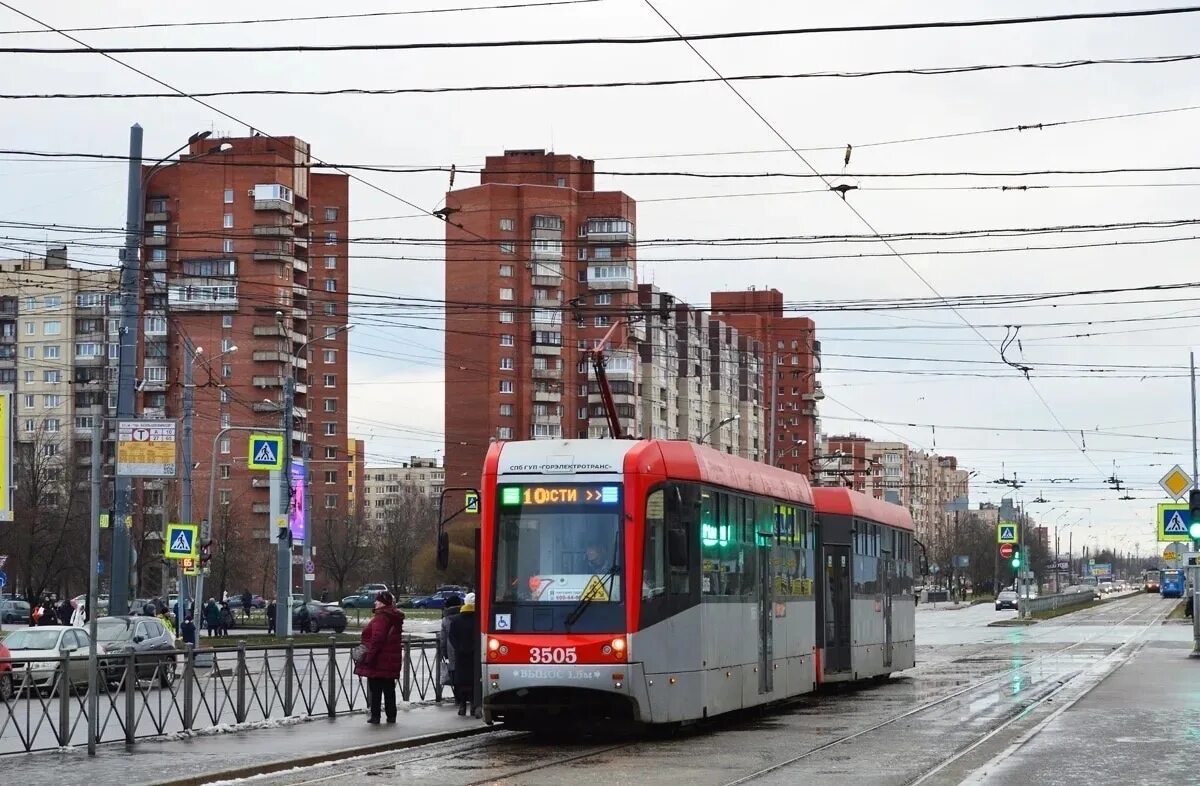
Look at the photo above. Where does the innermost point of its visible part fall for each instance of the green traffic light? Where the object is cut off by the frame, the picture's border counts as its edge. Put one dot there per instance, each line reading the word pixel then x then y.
pixel 1016 560
pixel 1194 530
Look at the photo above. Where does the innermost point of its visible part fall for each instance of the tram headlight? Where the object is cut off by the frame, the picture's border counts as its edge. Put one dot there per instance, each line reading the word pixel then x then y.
pixel 493 644
pixel 618 647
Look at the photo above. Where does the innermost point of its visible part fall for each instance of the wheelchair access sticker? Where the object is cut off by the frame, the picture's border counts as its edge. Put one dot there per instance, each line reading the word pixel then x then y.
pixel 503 622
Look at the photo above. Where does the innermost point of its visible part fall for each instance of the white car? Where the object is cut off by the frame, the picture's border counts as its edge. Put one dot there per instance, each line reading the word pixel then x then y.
pixel 36 654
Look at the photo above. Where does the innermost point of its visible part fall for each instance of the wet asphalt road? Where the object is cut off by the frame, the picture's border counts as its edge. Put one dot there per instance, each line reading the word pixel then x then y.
pixel 976 690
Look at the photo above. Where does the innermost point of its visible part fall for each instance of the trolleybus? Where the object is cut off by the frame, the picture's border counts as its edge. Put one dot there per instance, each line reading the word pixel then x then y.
pixel 638 582
pixel 1172 583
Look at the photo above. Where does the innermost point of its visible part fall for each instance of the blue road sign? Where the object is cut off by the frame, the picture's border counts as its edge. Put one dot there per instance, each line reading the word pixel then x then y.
pixel 3 578
pixel 99 567
pixel 265 452
pixel 182 542
pixel 1174 520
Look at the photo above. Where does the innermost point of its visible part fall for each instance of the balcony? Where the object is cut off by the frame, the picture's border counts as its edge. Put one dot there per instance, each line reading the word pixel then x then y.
pixel 547 350
pixel 300 264
pixel 547 373
pixel 266 406
pixel 610 277
pixel 274 230
pixel 260 483
pixel 273 196
pixel 547 420
pixel 156 241
pixel 267 382
pixel 158 217
pixel 547 303
pixel 90 360
pixel 273 255
pixel 154 413
pixel 608 230
pixel 547 396
pixel 260 507
pixel 154 264
pixel 262 356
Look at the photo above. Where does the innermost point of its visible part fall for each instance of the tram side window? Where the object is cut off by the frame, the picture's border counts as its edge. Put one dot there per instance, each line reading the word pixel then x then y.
pixel 654 569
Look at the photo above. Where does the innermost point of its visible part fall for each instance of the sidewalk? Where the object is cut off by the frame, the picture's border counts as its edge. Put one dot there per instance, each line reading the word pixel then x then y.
pixel 202 759
pixel 1134 727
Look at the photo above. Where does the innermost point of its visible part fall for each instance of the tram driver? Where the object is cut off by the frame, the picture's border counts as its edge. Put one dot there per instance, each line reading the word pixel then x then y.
pixel 596 558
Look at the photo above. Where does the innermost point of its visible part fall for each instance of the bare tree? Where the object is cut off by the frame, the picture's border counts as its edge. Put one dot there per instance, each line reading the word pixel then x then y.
pixel 409 524
pixel 346 548
pixel 47 542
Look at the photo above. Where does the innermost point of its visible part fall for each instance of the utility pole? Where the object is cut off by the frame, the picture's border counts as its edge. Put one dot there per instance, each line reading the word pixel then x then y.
pixel 185 496
pixel 1195 468
pixel 131 272
pixel 774 400
pixel 93 692
pixel 283 556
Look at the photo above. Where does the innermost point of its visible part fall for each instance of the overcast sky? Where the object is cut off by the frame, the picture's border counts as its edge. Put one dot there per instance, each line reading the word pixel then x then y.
pixel 396 372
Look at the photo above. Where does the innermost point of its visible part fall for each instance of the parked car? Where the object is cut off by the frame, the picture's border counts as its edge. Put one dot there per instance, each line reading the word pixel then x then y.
pixel 7 689
pixel 1007 599
pixel 361 601
pixel 44 645
pixel 437 600
pixel 256 602
pixel 14 612
pixel 371 589
pixel 321 616
pixel 142 636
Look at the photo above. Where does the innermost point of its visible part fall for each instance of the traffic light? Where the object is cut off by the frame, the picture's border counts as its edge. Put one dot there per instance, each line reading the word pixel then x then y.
pixel 205 552
pixel 1016 560
pixel 1194 509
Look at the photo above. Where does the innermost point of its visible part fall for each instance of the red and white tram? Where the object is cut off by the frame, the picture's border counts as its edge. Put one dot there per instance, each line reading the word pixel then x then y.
pixel 660 582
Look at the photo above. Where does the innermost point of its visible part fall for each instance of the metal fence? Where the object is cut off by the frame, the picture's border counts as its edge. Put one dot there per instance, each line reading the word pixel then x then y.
pixel 1052 602
pixel 44 701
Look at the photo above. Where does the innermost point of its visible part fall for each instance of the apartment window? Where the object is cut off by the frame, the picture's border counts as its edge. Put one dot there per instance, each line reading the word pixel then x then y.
pixel 506 340
pixel 85 422
pixel 224 395
pixel 330 453
pixel 507 225
pixel 31 303
pixel 331 214
pixel 53 301
pixel 52 328
pixel 228 196
pixel 156 326
pixel 504 432
pixel 330 429
pixel 226 496
pixel 581 254
pixel 506 364
pixel 330 331
pixel 506 294
pixel 330 501
pixel 506 386
pixel 331 405
pixel 329 355
pixel 331 238
pixel 506 317
pixel 601 321
pixel 159 230
pixel 228 221
pixel 225 471
pixel 506 410
pixel 331 476
pixel 52 377
pixel 30 425
pixel 29 399
pixel 158 255
pixel 604 299
pixel 562 182
pixel 583 413
pixel 29 376
pixel 53 351
pixel 225 446
pixel 226 371
pixel 29 353
pixel 331 263
pixel 87 349
pixel 508 248
pixel 29 329
pixel 156 373
pixel 227 344
pixel 330 309
pixel 330 380
pixel 227 320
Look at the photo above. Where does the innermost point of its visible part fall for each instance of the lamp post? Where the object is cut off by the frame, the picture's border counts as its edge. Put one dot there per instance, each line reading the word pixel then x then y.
pixel 131 273
pixel 725 422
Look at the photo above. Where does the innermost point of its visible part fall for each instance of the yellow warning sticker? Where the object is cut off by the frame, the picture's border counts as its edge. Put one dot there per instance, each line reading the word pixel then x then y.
pixel 594 590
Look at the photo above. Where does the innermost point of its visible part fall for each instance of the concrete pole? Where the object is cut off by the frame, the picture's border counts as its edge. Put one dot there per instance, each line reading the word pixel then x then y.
pixel 283 556
pixel 93 695
pixel 1195 474
pixel 774 400
pixel 131 272
pixel 185 496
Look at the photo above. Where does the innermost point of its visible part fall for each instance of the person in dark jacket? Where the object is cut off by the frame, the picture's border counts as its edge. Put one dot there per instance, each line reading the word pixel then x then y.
pixel 212 617
pixel 64 612
pixel 188 632
pixel 271 610
pixel 380 666
pixel 247 599
pixel 48 616
pixel 464 639
pixel 226 619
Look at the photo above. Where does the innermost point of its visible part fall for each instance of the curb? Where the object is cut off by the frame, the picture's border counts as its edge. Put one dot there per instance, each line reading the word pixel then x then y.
pixel 271 767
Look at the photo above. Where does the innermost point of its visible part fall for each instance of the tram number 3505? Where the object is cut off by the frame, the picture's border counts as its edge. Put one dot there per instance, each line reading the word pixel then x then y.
pixel 552 655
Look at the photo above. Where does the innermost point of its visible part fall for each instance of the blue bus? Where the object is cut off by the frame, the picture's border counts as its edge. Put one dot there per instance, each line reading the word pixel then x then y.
pixel 1172 584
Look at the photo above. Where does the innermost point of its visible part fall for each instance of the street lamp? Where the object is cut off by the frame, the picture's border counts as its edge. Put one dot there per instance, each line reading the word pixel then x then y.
pixel 718 427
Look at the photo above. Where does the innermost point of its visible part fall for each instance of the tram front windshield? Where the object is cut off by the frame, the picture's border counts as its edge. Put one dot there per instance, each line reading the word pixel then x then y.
pixel 558 543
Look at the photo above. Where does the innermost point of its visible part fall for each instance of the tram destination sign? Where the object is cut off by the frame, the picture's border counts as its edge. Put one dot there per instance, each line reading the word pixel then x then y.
pixel 573 495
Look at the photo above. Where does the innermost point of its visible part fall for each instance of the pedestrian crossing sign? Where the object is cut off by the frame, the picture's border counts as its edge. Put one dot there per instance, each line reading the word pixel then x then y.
pixel 182 541
pixel 1174 520
pixel 265 452
pixel 1006 532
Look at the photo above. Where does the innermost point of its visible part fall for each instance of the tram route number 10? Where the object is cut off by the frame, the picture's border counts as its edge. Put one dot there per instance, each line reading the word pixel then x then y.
pixel 552 655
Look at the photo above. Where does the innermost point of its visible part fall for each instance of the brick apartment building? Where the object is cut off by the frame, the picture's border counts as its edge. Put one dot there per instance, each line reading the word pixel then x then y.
pixel 234 238
pixel 792 355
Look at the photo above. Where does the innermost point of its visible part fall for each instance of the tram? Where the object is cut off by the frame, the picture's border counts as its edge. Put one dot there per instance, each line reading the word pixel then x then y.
pixel 649 582
pixel 1150 581
pixel 1172 583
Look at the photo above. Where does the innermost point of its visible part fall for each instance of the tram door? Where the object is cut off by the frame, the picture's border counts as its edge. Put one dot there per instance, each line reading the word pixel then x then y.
pixel 766 622
pixel 837 608
pixel 886 572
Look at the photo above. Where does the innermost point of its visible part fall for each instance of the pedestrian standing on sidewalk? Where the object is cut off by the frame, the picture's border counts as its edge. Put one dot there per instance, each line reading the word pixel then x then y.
pixel 464 639
pixel 381 662
pixel 226 619
pixel 212 617
pixel 271 609
pixel 188 632
pixel 446 649
pixel 247 599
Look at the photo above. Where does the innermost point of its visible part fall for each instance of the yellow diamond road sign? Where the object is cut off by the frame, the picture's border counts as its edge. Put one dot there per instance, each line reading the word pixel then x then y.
pixel 1176 482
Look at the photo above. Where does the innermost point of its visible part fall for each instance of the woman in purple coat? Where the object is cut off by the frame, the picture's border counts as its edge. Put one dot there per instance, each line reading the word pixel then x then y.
pixel 380 666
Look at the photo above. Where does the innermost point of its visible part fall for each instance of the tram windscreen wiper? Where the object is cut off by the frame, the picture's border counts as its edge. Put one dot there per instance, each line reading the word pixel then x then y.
pixel 588 597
